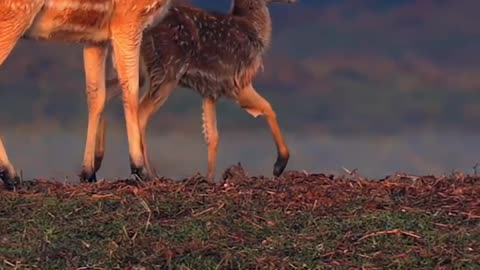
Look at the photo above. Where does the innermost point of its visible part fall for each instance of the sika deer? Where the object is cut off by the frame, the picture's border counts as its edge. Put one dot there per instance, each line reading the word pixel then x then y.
pixel 214 54
pixel 93 23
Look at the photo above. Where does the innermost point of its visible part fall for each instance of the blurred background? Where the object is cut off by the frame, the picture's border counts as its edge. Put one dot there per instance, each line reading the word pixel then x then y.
pixel 375 85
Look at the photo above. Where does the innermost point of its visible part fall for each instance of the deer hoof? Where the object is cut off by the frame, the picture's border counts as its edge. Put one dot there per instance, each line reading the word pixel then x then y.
pixel 280 165
pixel 86 177
pixel 10 181
pixel 141 173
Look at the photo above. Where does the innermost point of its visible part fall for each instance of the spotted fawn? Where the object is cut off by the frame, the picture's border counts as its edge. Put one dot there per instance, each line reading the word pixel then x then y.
pixel 216 55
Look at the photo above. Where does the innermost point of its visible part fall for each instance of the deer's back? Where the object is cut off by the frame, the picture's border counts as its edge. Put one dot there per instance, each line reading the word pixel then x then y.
pixel 222 53
pixel 168 47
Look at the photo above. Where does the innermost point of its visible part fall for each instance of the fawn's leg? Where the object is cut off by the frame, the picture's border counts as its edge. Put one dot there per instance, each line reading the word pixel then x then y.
pixel 94 58
pixel 13 24
pixel 256 105
pixel 210 133
pixel 149 104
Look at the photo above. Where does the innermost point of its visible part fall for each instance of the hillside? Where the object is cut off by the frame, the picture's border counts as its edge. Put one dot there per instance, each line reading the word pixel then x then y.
pixel 366 67
pixel 299 221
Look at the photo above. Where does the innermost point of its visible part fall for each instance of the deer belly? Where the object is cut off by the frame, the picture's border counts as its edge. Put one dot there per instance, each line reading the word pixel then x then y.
pixel 73 21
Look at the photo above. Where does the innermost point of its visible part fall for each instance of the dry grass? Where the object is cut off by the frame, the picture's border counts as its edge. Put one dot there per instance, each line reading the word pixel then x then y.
pixel 298 221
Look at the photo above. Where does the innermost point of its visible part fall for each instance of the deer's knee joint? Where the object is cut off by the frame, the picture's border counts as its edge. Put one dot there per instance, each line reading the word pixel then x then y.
pixel 254 112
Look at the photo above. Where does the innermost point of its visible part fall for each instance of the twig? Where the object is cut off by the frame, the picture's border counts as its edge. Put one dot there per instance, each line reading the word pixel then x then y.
pixel 203 212
pixel 394 232
pixel 412 177
pixel 353 173
pixel 253 223
pixel 139 182
pixel 8 263
pixel 104 196
pixel 148 223
pixel 348 171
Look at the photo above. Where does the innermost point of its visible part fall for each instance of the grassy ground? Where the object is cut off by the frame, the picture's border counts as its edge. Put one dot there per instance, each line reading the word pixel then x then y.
pixel 298 221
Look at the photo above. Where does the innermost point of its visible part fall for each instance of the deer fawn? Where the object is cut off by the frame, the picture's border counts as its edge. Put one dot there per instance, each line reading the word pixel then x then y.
pixel 214 54
pixel 94 23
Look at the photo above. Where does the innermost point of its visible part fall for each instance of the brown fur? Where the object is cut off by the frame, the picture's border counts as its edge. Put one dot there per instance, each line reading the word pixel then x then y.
pixel 215 55
pixel 86 18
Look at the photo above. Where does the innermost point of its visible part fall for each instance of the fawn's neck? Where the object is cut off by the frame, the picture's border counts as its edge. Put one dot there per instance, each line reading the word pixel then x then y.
pixel 256 12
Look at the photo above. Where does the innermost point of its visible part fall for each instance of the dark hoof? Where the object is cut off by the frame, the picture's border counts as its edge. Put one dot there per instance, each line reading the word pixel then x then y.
pixel 280 165
pixel 211 179
pixel 86 177
pixel 141 173
pixel 10 182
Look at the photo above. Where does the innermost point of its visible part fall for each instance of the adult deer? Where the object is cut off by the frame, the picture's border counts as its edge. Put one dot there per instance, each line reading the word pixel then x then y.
pixel 94 23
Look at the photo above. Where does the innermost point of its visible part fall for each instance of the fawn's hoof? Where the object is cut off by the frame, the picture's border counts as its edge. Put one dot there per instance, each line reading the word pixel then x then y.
pixel 210 179
pixel 10 181
pixel 87 177
pixel 280 165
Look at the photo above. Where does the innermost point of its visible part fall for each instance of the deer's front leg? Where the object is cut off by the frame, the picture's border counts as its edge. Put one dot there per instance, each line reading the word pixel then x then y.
pixel 14 21
pixel 126 46
pixel 7 172
pixel 94 58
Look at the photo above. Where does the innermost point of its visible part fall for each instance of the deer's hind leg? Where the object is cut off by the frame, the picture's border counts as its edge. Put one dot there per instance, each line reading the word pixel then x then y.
pixel 13 24
pixel 210 133
pixel 257 105
pixel 149 104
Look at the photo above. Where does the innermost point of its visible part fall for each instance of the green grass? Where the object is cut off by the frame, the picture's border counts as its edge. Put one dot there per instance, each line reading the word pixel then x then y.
pixel 258 224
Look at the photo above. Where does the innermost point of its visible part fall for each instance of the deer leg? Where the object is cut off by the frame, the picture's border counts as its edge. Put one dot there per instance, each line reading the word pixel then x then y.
pixel 113 91
pixel 151 102
pixel 126 46
pixel 100 138
pixel 7 172
pixel 210 133
pixel 13 24
pixel 94 58
pixel 100 144
pixel 256 105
